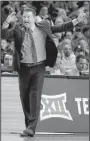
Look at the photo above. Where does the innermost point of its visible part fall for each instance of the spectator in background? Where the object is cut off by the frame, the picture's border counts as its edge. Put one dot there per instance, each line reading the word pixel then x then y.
pixel 59 21
pixel 8 60
pixel 7 65
pixel 82 67
pixel 7 46
pixel 63 14
pixel 6 9
pixel 62 43
pixel 68 59
pixel 56 69
pixel 57 4
pixel 22 5
pixel 74 6
pixel 43 14
pixel 85 8
pixel 83 44
pixel 73 9
pixel 69 35
pixel 4 46
pixel 86 33
pixel 81 51
pixel 57 36
pixel 78 35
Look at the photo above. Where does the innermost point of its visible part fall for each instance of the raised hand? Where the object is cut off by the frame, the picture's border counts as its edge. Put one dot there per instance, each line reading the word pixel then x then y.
pixel 11 18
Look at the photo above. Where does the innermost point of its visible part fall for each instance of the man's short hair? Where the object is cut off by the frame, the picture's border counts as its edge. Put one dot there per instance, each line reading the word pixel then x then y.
pixel 30 9
pixel 81 57
pixel 78 48
pixel 4 3
pixel 66 42
pixel 63 43
pixel 23 3
pixel 86 28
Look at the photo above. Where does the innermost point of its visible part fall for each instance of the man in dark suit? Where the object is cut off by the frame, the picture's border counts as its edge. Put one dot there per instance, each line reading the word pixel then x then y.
pixel 34 49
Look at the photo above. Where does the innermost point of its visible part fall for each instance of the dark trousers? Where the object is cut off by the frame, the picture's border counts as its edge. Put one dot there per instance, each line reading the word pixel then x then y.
pixel 31 83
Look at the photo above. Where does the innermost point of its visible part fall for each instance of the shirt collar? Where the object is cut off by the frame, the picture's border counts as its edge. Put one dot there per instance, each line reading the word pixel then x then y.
pixel 32 29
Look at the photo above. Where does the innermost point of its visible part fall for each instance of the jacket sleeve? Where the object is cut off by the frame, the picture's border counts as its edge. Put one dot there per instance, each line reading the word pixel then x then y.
pixel 62 28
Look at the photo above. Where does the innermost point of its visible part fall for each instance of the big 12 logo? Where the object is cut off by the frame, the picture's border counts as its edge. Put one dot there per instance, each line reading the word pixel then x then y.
pixel 54 106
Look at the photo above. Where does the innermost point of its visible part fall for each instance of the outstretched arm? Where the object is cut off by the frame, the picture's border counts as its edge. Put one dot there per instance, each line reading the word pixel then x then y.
pixel 67 26
pixel 62 28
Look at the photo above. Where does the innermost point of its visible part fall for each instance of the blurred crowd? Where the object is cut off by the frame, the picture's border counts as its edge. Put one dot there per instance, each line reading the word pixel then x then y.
pixel 72 45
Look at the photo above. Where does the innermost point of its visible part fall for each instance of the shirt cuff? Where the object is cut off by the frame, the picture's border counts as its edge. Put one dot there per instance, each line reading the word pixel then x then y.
pixel 75 22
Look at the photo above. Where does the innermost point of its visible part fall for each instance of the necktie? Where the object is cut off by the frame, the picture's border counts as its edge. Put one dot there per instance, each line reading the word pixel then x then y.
pixel 33 49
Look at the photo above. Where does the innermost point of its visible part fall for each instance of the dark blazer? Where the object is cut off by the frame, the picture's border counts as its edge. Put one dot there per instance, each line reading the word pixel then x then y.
pixel 17 32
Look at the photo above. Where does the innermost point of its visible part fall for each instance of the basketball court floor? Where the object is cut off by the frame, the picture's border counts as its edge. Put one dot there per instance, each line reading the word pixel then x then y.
pixel 16 137
pixel 12 120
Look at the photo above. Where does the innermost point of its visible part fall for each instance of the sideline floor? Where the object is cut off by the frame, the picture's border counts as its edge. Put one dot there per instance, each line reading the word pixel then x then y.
pixel 16 137
pixel 12 119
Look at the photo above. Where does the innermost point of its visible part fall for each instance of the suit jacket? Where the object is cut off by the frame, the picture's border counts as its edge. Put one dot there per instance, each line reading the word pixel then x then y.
pixel 17 32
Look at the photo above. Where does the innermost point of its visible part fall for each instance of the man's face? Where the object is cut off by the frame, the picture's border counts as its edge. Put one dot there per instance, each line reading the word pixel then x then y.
pixel 78 33
pixel 8 60
pixel 79 52
pixel 23 7
pixel 28 18
pixel 82 64
pixel 67 50
pixel 4 44
pixel 74 5
pixel 83 44
pixel 62 13
pixel 69 35
pixel 86 7
pixel 59 21
pixel 44 11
